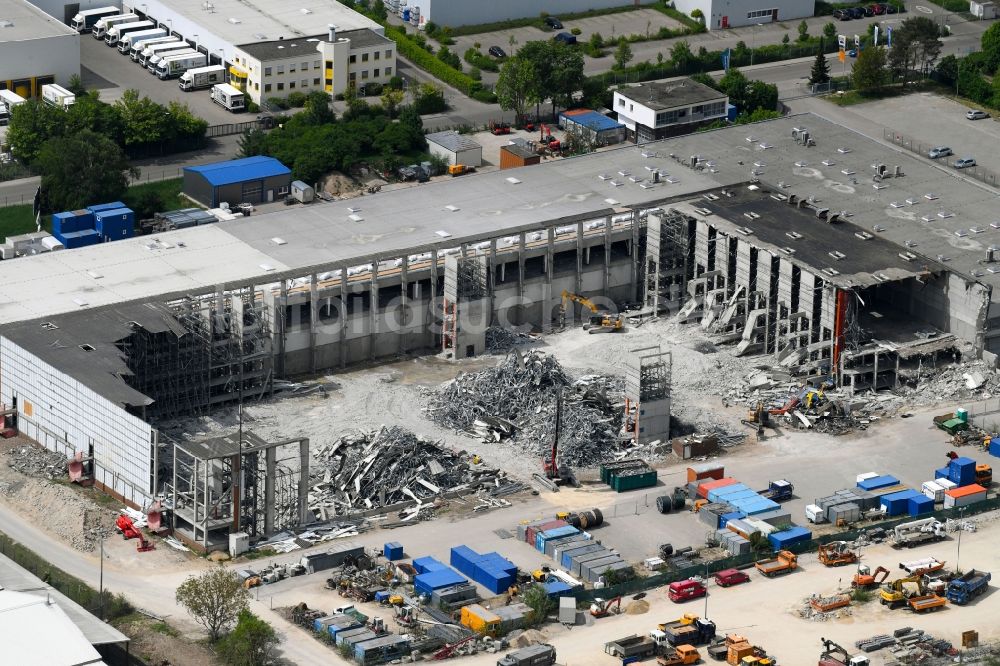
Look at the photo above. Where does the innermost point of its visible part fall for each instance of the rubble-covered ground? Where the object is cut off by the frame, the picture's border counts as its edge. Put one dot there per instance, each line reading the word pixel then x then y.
pixel 518 399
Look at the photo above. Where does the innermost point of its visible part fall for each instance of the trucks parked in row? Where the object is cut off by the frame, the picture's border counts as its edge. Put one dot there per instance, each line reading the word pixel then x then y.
pixel 228 97
pixel 174 65
pixel 118 32
pixel 57 96
pixel 100 29
pixel 689 629
pixel 202 77
pixel 137 48
pixel 126 43
pixel 967 587
pixel 84 21
pixel 154 53
pixel 8 100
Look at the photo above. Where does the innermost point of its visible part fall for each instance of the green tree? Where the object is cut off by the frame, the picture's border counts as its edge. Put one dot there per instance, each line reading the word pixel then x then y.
pixel 89 112
pixel 144 120
pixel 80 169
pixel 990 43
pixel 75 85
pixel 391 99
pixel 830 31
pixel 317 108
pixel 251 643
pixel 971 84
pixel 379 11
pixel 821 68
pixel 803 32
pixel 253 142
pixel 514 86
pixel 566 75
pixel 540 603
pixel 596 42
pixel 31 124
pixel 681 56
pixel 947 69
pixel 214 599
pixel 428 98
pixel 623 54
pixel 869 71
pixel 916 45
pixel 146 204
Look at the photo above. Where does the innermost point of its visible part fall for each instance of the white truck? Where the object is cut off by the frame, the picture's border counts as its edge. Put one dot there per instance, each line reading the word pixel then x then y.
pixel 175 65
pixel 84 21
pixel 202 77
pixel 137 48
pixel 153 63
pixel 228 97
pixel 8 100
pixel 57 96
pixel 126 43
pixel 117 32
pixel 102 26
pixel 158 50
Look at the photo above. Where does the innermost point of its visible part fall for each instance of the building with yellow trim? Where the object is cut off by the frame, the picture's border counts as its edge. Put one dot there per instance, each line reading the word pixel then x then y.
pixel 35 49
pixel 332 62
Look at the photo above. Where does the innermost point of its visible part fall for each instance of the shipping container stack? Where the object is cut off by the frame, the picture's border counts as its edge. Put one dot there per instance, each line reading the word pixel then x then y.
pixel 491 570
pixel 99 223
pixel 784 539
pixel 393 551
pixel 432 575
pixel 994 447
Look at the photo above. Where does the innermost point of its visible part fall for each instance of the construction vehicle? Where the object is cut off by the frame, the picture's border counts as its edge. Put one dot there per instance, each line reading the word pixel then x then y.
pixel 460 169
pixel 534 655
pixel 758 418
pixel 499 128
pixel 405 616
pixel 546 139
pixel 918 532
pixel 449 650
pixel 778 491
pixel 689 629
pixel 631 646
pixel 784 562
pixel 864 579
pixel 605 607
pixel 967 587
pixel 600 321
pixel 895 593
pixel 130 531
pixel 682 654
pixel 926 602
pixel 836 554
pixel 835 655
pixel 560 475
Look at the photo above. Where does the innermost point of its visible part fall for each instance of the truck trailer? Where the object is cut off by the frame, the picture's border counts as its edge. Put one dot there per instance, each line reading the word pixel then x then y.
pixel 100 29
pixel 137 48
pixel 132 39
pixel 84 21
pixel 631 646
pixel 534 655
pixel 202 77
pixel 8 100
pixel 228 97
pixel 56 95
pixel 152 54
pixel 116 33
pixel 175 65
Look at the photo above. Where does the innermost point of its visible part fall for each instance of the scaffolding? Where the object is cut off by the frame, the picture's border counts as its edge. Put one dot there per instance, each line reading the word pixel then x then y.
pixel 213 350
pixel 465 287
pixel 267 481
pixel 665 267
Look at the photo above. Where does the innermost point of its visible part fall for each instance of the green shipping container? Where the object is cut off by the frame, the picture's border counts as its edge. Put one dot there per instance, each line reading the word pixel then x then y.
pixel 625 483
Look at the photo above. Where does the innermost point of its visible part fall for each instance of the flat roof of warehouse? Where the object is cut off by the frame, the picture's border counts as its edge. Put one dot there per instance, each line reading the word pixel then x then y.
pixel 20 21
pixel 446 213
pixel 237 171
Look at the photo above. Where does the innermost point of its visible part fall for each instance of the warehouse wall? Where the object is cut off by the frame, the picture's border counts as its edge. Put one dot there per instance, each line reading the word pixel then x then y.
pixel 65 416
pixel 65 11
pixel 23 61
pixel 463 12
pixel 734 13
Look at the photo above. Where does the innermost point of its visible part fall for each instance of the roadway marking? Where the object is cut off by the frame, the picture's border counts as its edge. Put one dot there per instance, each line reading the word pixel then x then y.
pixel 925 10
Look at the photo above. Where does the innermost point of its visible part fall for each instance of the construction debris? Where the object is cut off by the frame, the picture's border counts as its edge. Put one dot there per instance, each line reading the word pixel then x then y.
pixel 371 470
pixel 500 340
pixel 36 461
pixel 516 401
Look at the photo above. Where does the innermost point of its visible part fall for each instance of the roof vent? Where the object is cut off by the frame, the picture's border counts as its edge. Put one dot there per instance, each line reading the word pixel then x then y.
pixel 794 235
pixel 843 150
pixel 452 208
pixel 837 254
pixel 49 326
pixel 513 181
pixel 910 243
pixel 613 202
pixel 930 196
pixel 306 11
pixel 907 256
pixel 277 240
pixel 832 272
pixel 235 21
pixel 4 23
pixel 828 163
pixel 878 228
pixel 788 250
pixel 87 348
pixel 864 235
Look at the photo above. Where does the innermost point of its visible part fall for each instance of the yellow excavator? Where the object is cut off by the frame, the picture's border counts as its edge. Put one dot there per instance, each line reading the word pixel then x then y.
pixel 896 593
pixel 600 321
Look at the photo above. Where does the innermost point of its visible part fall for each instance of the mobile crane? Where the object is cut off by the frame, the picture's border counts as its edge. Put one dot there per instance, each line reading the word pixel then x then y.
pixel 600 321
pixel 560 475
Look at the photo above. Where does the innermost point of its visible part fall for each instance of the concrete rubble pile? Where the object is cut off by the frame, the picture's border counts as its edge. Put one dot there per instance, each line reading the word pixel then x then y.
pixel 516 401
pixel 380 468
pixel 908 645
pixel 36 461
pixel 973 380
pixel 500 340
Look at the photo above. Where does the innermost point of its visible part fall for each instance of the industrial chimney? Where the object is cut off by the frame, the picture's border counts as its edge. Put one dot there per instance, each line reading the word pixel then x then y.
pixel 331 32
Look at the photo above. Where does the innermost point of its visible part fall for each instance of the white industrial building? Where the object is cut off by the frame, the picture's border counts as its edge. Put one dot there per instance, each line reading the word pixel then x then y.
pixel 332 61
pixel 220 27
pixel 658 110
pixel 722 14
pixel 35 49
pixel 65 11
pixel 463 12
pixel 455 148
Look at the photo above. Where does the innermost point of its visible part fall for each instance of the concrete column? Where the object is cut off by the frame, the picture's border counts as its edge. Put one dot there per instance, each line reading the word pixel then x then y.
pixel 343 317
pixel 491 286
pixel 636 272
pixel 270 462
pixel 313 319
pixel 279 329
pixel 404 302
pixel 547 287
pixel 303 479
pixel 373 312
pixel 606 281
pixel 578 282
pixel 520 276
pixel 434 320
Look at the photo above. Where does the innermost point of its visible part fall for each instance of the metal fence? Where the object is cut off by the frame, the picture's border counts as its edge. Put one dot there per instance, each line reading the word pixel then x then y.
pixel 707 568
pixel 228 129
pixel 922 148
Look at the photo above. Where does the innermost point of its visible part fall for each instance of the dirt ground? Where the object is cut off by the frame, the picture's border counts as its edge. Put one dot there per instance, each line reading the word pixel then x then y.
pixel 158 644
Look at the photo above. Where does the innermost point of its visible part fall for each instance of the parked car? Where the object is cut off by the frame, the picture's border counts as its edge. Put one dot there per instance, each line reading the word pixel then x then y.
pixel 877 9
pixel 976 114
pixel 869 10
pixel 853 53
pixel 842 14
pixel 890 9
pixel 553 22
pixel 964 163
pixel 857 12
pixel 939 151
pixel 728 577
pixel 565 38
pixel 497 52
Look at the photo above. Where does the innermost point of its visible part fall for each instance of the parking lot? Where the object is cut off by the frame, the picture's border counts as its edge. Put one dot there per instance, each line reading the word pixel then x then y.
pixel 111 73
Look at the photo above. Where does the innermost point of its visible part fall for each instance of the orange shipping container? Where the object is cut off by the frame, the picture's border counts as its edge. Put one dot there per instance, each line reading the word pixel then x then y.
pixel 705 472
pixel 514 156
pixel 965 490
pixel 713 484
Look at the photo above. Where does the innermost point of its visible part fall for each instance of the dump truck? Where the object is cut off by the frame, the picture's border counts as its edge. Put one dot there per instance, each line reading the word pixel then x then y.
pixel 687 630
pixel 917 533
pixel 534 655
pixel 682 654
pixel 785 562
pixel 926 602
pixel 631 646
pixel 836 554
pixel 970 585
pixel 778 491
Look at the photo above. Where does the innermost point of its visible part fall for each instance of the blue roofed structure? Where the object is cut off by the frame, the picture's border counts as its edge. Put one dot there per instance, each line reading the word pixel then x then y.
pixel 254 180
pixel 596 126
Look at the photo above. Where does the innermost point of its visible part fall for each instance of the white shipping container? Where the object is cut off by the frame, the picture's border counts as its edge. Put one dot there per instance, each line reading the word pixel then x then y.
pixel 934 490
pixel 866 476
pixel 965 500
pixel 52 243
pixel 947 484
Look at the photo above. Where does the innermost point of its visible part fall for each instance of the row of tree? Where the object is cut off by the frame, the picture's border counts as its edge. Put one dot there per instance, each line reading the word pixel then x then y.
pixel 540 71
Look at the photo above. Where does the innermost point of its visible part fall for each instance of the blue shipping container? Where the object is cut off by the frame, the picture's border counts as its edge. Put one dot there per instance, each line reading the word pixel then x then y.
pixel 63 223
pixel 393 551
pixel 501 562
pixel 493 579
pixel 877 482
pixel 920 505
pixel 962 471
pixel 75 239
pixel 115 224
pixel 464 559
pixel 557 588
pixel 941 473
pixel 896 504
pixel 426 583
pixel 554 533
pixel 381 595
pixel 427 564
pixel 786 538
pixel 105 206
pixel 995 447
pixel 726 517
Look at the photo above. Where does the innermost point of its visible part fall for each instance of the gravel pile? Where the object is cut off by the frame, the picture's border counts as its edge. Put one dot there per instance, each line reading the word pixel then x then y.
pixel 36 461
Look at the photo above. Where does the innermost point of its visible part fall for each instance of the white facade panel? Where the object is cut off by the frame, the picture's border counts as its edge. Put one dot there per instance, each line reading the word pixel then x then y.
pixel 722 14
pixel 65 11
pixel 463 12
pixel 65 416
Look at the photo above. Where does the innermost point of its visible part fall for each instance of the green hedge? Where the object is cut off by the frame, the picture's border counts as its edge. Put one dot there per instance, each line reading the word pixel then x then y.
pixel 827 8
pixel 480 60
pixel 694 25
pixel 412 51
pixel 538 21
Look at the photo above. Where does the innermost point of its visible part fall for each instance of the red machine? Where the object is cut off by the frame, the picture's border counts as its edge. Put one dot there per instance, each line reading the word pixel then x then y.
pixel 499 128
pixel 547 139
pixel 449 650
pixel 558 475
pixel 130 531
